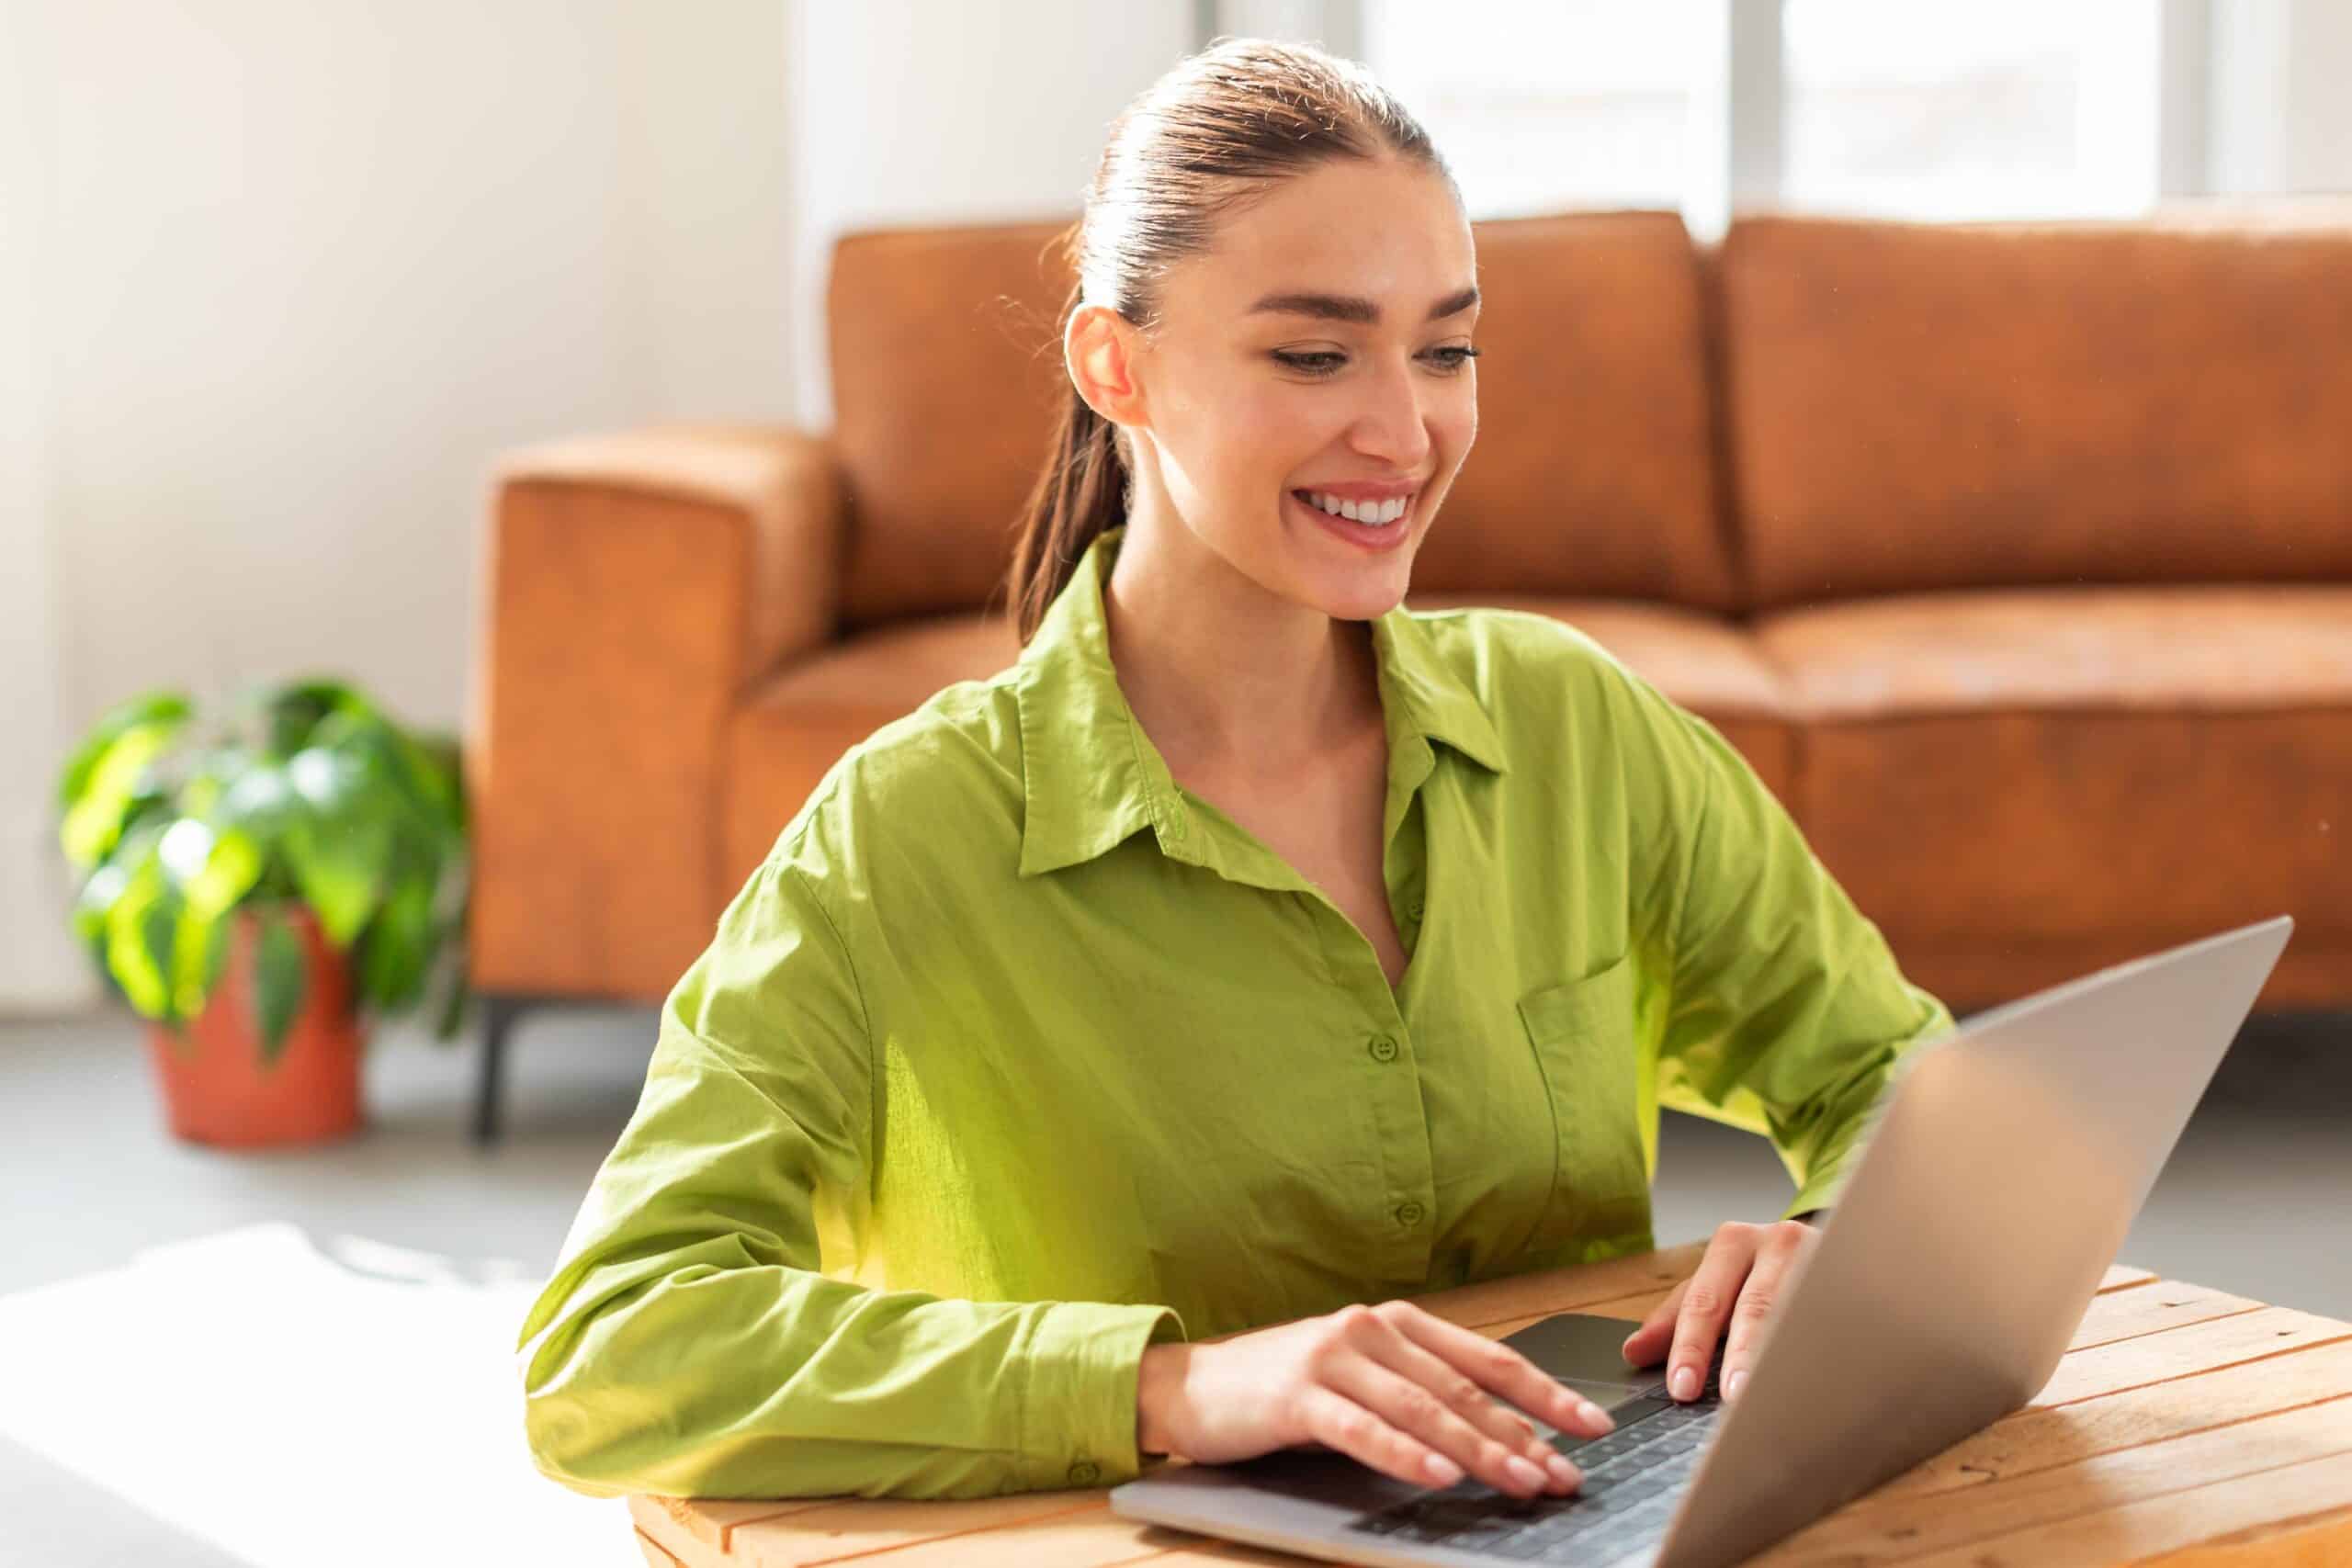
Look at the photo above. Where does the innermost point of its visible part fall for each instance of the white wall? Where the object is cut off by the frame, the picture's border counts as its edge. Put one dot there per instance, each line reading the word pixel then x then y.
pixel 38 965
pixel 278 280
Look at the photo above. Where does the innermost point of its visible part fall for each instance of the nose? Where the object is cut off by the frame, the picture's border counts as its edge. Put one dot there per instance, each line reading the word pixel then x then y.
pixel 1393 423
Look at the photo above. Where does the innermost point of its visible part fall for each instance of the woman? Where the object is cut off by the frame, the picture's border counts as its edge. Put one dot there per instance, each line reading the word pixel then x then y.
pixel 1251 950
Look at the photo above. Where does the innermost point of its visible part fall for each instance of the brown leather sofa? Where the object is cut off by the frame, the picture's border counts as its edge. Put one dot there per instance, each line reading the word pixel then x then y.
pixel 2017 558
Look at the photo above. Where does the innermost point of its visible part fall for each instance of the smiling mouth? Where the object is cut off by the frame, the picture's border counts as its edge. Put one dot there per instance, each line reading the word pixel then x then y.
pixel 1406 515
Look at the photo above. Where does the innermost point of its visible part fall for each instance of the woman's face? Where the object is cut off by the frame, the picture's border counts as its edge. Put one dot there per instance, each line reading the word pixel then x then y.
pixel 1316 349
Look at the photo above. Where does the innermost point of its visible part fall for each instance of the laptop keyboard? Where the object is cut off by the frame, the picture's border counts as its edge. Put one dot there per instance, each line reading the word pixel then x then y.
pixel 1633 1479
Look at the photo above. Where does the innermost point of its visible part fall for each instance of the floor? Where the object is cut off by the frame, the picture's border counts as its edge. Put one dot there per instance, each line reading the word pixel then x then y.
pixel 406 1233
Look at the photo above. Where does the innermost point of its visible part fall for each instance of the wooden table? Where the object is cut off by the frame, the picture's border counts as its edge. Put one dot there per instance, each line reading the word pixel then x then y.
pixel 2184 1425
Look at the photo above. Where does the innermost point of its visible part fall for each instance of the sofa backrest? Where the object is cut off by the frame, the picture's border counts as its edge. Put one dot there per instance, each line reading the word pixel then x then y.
pixel 1914 406
pixel 1593 472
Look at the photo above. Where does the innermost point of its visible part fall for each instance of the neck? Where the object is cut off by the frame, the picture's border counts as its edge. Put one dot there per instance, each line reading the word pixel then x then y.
pixel 1223 675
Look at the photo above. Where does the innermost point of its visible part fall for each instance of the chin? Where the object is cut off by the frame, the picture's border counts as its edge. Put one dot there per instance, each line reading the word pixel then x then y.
pixel 1365 595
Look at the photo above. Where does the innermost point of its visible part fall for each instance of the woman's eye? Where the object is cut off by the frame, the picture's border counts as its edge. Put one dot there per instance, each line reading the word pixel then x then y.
pixel 1314 364
pixel 1325 363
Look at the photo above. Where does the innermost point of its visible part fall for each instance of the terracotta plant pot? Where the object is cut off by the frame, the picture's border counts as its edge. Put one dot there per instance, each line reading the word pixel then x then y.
pixel 216 1088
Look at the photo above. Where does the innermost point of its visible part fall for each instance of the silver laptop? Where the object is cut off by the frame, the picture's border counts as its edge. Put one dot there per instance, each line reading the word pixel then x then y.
pixel 2005 1163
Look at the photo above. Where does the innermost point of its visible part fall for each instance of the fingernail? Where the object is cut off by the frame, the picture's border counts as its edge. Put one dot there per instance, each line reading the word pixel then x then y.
pixel 1686 1382
pixel 1442 1470
pixel 1595 1413
pixel 1563 1472
pixel 1524 1472
pixel 1731 1383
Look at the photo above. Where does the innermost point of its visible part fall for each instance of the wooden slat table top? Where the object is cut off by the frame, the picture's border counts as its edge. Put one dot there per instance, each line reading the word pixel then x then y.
pixel 2184 1426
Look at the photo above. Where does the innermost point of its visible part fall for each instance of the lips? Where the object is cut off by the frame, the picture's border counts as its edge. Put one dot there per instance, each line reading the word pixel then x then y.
pixel 1369 536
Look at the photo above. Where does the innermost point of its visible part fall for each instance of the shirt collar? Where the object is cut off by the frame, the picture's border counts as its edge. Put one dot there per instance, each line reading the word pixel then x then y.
pixel 1092 778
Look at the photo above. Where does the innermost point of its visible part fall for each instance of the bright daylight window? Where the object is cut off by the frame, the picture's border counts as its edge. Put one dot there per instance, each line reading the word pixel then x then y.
pixel 1543 106
pixel 1996 109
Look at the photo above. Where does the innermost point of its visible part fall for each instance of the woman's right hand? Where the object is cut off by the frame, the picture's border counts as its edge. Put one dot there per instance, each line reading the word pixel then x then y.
pixel 1393 1385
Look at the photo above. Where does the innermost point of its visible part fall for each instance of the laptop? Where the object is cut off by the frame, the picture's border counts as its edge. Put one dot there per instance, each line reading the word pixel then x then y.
pixel 2006 1162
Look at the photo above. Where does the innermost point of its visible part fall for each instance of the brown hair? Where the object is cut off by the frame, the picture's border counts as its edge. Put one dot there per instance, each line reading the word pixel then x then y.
pixel 1215 132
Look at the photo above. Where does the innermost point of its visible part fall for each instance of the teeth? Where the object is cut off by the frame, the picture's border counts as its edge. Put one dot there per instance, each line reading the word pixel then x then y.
pixel 1374 513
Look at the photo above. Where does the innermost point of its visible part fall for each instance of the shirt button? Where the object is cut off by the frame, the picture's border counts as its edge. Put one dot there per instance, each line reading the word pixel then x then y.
pixel 1408 1213
pixel 1382 1049
pixel 1083 1473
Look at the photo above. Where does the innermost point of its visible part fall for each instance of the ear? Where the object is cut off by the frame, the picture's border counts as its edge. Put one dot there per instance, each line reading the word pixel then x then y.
pixel 1099 348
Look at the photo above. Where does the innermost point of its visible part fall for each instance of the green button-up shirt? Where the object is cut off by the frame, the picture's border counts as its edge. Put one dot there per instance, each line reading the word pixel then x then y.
pixel 1016 1056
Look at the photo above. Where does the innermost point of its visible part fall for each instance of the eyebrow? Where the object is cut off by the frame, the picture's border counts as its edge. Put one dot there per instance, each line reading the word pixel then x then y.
pixel 1349 308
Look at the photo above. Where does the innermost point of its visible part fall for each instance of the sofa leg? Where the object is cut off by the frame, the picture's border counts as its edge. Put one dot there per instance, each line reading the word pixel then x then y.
pixel 499 1016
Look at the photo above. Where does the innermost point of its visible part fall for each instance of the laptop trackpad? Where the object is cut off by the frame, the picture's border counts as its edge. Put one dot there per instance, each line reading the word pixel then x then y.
pixel 1584 1350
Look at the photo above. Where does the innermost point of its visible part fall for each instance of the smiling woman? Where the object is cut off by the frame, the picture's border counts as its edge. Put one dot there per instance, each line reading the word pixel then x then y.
pixel 1254 950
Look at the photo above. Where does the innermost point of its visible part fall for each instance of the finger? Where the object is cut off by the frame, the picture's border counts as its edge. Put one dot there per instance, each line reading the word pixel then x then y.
pixel 1420 1412
pixel 1647 1344
pixel 1500 1370
pixel 1339 1422
pixel 1469 1387
pixel 1713 1290
pixel 1776 1260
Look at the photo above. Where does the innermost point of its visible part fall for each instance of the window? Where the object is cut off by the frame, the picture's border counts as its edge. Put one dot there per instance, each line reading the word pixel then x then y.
pixel 1541 106
pixel 1996 109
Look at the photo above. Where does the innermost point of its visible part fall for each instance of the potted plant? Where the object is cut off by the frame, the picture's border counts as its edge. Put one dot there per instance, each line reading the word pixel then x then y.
pixel 252 891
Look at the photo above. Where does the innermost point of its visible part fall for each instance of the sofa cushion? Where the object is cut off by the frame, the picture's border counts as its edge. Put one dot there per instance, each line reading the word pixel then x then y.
pixel 1592 472
pixel 1925 406
pixel 947 377
pixel 2023 766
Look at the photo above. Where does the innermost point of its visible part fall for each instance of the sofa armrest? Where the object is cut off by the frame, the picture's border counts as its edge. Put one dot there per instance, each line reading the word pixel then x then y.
pixel 631 586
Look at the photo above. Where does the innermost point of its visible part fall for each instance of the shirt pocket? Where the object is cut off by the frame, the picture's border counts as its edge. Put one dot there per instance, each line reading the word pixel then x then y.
pixel 1582 1035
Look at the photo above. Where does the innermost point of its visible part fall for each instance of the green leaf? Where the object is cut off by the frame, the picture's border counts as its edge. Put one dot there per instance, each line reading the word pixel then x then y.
pixel 371 760
pixel 291 712
pixel 139 929
pixel 228 873
pixel 437 758
pixel 341 861
pixel 164 709
pixel 281 973
pixel 399 946
pixel 114 786
pixel 200 945
pixel 104 885
pixel 455 993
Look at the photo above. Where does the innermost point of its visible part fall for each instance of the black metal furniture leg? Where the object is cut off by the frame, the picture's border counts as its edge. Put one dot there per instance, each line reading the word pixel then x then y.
pixel 499 1015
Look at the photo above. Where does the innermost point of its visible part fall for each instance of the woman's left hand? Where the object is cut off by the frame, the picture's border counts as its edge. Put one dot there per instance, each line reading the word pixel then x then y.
pixel 1745 1268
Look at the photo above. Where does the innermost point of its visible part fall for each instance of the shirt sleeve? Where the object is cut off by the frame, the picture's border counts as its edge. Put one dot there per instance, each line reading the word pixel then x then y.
pixel 688 1344
pixel 1786 1013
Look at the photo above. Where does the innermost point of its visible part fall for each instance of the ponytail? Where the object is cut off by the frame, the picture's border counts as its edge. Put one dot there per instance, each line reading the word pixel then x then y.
pixel 1081 491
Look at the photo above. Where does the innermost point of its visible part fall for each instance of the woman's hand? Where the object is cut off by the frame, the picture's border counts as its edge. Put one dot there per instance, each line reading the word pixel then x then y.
pixel 1745 1268
pixel 1393 1385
